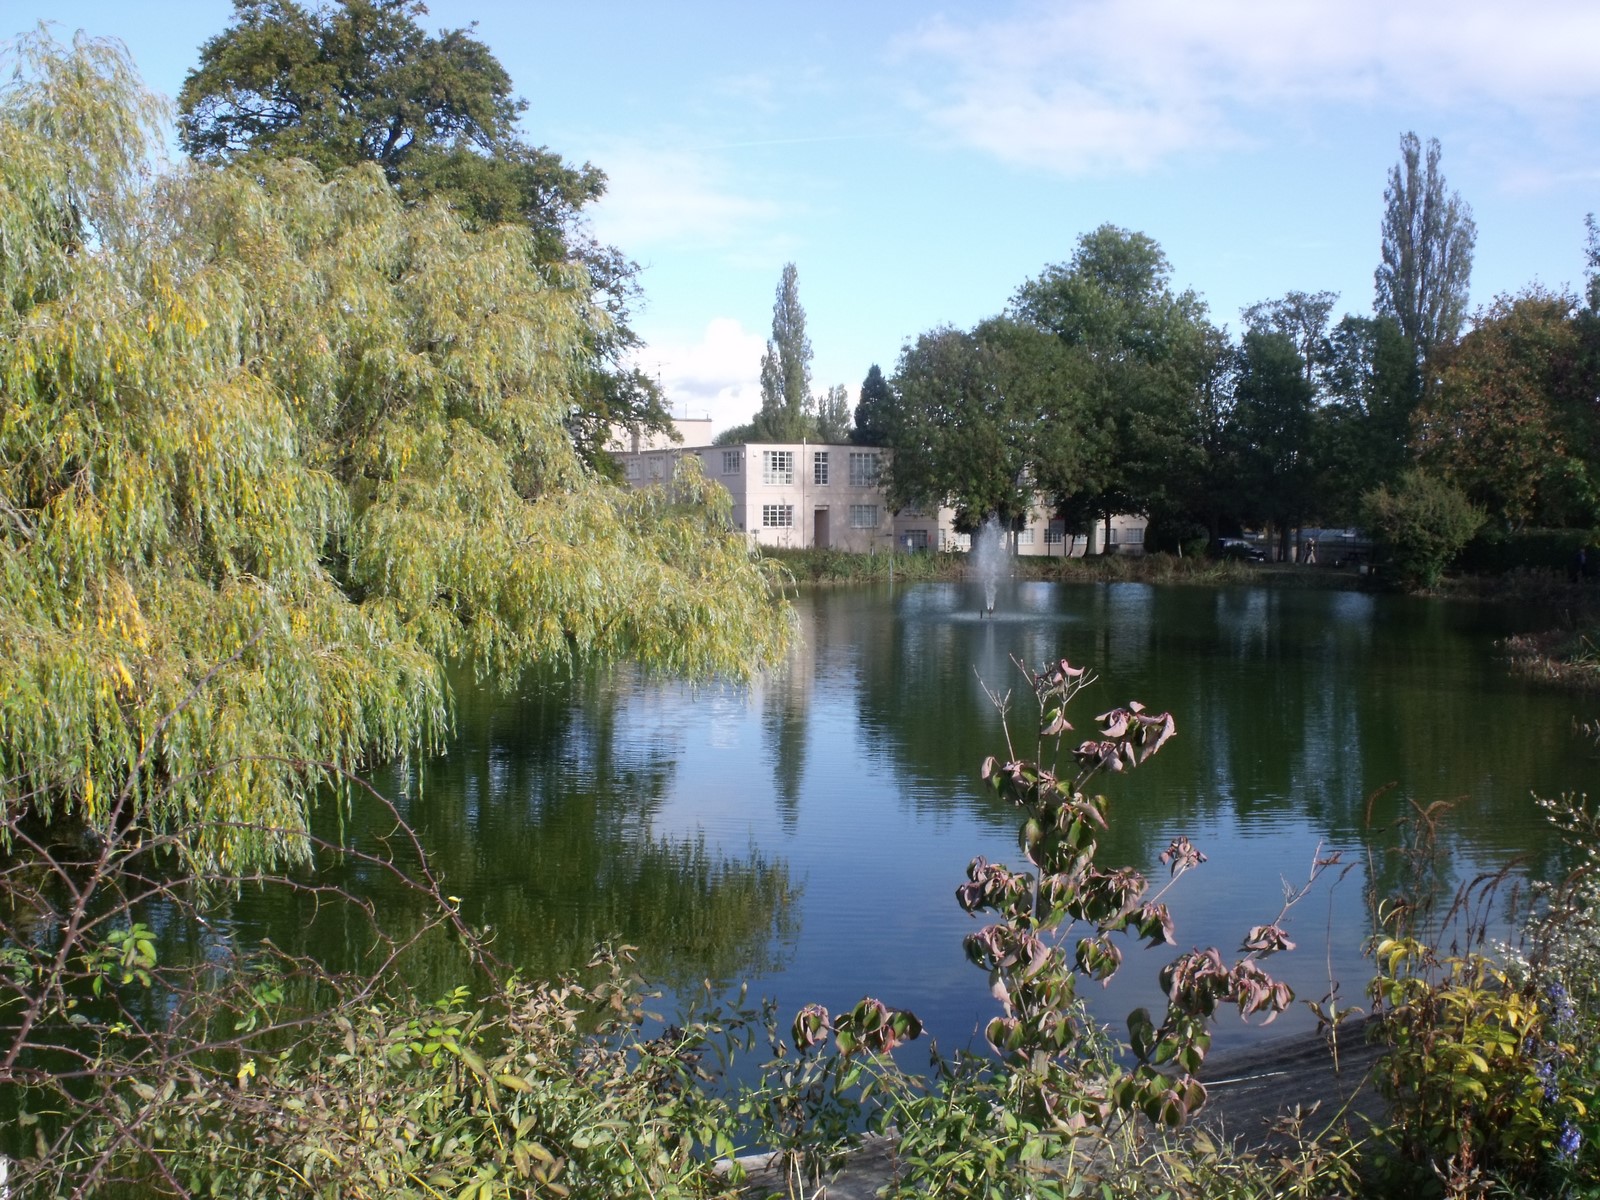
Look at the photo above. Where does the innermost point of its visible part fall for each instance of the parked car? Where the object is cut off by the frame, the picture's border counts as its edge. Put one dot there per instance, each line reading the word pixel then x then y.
pixel 1238 548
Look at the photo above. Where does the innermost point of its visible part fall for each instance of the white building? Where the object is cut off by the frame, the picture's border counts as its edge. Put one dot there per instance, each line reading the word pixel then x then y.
pixel 693 432
pixel 805 494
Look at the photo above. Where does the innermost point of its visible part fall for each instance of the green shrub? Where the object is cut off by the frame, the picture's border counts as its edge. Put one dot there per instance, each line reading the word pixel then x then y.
pixel 1493 1062
pixel 1422 523
pixel 250 1071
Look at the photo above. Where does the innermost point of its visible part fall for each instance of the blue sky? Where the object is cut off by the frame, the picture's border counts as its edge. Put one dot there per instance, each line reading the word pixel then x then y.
pixel 917 162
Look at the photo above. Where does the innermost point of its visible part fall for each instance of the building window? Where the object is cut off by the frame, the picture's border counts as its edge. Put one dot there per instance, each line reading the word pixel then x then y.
pixel 916 539
pixel 633 468
pixel 1134 537
pixel 732 462
pixel 1025 537
pixel 777 516
pixel 655 468
pixel 1052 535
pixel 951 540
pixel 819 467
pixel 777 467
pixel 863 516
pixel 863 469
pixel 1111 536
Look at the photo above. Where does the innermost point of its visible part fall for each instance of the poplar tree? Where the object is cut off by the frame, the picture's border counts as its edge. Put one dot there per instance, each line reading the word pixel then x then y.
pixel 786 368
pixel 833 415
pixel 1591 254
pixel 1428 237
pixel 274 449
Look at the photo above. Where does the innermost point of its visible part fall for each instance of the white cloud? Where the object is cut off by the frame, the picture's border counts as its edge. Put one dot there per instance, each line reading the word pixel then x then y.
pixel 657 195
pixel 718 376
pixel 1091 84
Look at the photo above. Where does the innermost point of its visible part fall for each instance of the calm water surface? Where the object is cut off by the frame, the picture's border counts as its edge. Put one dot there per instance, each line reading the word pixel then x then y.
pixel 807 834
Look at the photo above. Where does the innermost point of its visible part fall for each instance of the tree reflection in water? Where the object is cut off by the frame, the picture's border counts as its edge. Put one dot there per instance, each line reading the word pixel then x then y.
pixel 540 819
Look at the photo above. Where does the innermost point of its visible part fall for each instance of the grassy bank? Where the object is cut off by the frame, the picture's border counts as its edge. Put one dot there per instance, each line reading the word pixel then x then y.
pixel 843 567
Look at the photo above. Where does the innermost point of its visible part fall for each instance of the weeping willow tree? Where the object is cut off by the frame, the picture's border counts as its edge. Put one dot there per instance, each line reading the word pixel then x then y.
pixel 274 449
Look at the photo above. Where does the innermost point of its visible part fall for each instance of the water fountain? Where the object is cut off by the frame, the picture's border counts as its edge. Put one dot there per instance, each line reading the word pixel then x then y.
pixel 988 557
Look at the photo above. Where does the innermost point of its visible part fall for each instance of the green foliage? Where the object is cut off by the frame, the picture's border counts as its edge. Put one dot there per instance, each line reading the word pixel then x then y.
pixel 808 1107
pixel 960 435
pixel 1493 1060
pixel 1303 319
pixel 844 566
pixel 959 1137
pixel 273 448
pixel 1465 1097
pixel 530 1091
pixel 1147 358
pixel 146 1048
pixel 1363 425
pixel 1423 523
pixel 1511 422
pixel 1088 392
pixel 874 410
pixel 359 81
pixel 1428 238
pixel 1301 1161
pixel 735 435
pixel 833 415
pixel 1563 969
pixel 1184 538
pixel 785 369
pixel 1591 254
pixel 1269 431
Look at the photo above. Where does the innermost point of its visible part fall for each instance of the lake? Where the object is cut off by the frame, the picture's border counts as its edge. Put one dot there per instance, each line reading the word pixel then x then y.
pixel 806 834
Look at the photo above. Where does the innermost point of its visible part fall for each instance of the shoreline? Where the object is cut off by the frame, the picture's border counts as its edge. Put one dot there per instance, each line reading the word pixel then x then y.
pixel 1251 1092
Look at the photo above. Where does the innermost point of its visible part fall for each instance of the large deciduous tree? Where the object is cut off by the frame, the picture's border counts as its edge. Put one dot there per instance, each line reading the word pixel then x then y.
pixel 1273 425
pixel 1302 317
pixel 1513 422
pixel 1149 355
pixel 957 440
pixel 360 81
pixel 984 421
pixel 275 447
pixel 1363 428
pixel 1045 385
pixel 786 368
pixel 1270 427
pixel 1427 243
